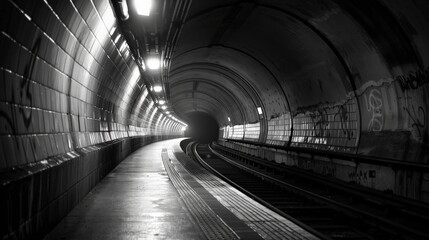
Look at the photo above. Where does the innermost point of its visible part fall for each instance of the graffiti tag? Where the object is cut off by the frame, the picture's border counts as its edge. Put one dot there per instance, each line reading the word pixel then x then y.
pixel 374 105
pixel 320 123
pixel 25 91
pixel 343 115
pixel 418 118
pixel 413 80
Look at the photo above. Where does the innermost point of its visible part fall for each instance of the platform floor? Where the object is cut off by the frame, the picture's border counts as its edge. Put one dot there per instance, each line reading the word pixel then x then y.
pixel 151 195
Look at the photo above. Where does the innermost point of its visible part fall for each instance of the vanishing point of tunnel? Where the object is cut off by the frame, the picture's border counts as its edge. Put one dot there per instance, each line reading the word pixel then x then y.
pixel 96 97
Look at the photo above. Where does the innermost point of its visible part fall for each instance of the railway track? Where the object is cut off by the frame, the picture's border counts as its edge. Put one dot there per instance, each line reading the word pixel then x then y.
pixel 326 210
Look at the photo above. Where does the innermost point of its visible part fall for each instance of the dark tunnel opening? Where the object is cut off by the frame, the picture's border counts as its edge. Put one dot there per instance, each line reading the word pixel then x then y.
pixel 202 127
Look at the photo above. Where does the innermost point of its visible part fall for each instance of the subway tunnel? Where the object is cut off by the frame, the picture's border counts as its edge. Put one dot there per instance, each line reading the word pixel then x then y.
pixel 333 88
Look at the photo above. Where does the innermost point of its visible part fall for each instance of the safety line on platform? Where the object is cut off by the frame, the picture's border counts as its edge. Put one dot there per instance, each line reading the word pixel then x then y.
pixel 211 225
pixel 262 220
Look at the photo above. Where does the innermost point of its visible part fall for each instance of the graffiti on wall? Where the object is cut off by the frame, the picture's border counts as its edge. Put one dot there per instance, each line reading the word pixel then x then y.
pixel 342 116
pixel 363 177
pixel 391 103
pixel 329 170
pixel 374 105
pixel 413 80
pixel 320 123
pixel 412 85
pixel 417 118
pixel 25 95
pixel 331 126
pixel 25 90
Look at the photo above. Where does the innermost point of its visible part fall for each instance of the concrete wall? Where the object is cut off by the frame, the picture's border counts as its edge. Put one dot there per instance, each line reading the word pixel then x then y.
pixel 355 75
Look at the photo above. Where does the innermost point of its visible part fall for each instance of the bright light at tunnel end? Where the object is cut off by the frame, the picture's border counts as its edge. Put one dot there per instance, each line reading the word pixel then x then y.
pixel 153 63
pixel 143 7
pixel 184 128
pixel 157 88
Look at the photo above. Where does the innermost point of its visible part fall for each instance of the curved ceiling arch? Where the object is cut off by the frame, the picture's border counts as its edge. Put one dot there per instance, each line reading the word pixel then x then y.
pixel 235 70
pixel 290 60
pixel 202 101
pixel 251 56
pixel 187 105
pixel 289 14
pixel 223 91
pixel 224 71
pixel 221 76
pixel 217 100
pixel 220 101
pixel 304 17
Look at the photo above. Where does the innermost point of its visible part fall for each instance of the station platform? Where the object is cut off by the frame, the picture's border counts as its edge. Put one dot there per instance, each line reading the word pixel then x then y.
pixel 158 192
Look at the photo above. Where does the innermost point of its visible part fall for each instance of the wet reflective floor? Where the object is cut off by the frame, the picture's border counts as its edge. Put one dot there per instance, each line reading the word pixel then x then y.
pixel 135 201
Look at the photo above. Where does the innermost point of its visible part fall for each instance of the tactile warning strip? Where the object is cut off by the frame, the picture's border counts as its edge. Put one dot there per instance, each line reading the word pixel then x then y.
pixel 267 223
pixel 211 225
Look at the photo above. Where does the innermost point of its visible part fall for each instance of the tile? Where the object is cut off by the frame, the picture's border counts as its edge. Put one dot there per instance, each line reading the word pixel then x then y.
pixel 19 150
pixel 28 149
pixel 3 152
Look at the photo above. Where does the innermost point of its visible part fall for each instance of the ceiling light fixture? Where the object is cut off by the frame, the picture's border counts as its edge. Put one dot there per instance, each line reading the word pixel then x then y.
pixel 153 63
pixel 163 107
pixel 123 7
pixel 157 88
pixel 161 102
pixel 143 7
pixel 260 110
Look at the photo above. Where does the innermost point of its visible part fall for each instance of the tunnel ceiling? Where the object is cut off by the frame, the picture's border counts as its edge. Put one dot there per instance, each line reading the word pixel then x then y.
pixel 325 74
pixel 313 63
pixel 235 56
pixel 333 74
pixel 265 55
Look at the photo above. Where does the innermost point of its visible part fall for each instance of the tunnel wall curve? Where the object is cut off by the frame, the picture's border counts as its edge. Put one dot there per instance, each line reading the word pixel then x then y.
pixel 381 107
pixel 35 197
pixel 72 106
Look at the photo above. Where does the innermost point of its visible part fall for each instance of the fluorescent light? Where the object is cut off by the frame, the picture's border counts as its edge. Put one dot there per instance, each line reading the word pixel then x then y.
pixel 163 107
pixel 117 39
pixel 123 7
pixel 123 46
pixel 229 119
pixel 157 88
pixel 112 31
pixel 167 112
pixel 28 17
pixel 153 63
pixel 143 7
pixel 260 110
pixel 161 102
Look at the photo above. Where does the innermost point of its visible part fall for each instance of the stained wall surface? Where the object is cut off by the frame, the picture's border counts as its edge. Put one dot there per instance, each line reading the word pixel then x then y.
pixel 72 106
pixel 342 86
